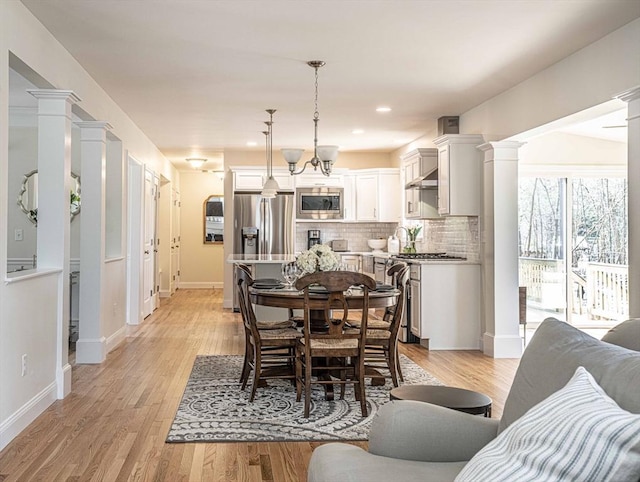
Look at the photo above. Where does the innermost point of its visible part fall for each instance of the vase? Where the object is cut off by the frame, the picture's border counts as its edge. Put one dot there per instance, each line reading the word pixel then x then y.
pixel 410 247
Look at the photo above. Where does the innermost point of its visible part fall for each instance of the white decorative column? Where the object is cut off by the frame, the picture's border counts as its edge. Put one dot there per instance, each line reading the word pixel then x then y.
pixel 91 346
pixel 632 98
pixel 499 236
pixel 54 186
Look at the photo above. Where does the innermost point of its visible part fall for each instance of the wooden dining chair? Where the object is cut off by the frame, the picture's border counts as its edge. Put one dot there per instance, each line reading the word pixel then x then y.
pixel 335 351
pixel 269 351
pixel 381 350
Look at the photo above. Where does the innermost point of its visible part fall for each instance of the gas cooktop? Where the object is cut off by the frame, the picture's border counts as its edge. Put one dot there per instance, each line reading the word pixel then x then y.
pixel 428 256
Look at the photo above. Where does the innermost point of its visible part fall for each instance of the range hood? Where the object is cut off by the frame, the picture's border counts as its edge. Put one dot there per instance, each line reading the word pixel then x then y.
pixel 427 181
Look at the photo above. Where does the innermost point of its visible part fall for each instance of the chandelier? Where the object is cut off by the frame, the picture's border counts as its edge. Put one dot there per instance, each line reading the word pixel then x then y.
pixel 323 156
pixel 270 188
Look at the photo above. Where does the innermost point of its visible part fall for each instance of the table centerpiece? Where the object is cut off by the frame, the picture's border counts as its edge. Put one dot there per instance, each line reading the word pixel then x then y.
pixel 319 257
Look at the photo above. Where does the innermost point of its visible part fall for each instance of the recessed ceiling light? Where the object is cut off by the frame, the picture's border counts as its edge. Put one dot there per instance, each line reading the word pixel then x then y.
pixel 383 109
pixel 357 131
pixel 252 143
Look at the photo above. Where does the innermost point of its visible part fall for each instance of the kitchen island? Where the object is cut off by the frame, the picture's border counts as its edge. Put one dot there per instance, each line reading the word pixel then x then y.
pixel 263 266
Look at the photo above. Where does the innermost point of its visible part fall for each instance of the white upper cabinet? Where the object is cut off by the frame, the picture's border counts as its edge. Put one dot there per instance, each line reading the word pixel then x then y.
pixel 253 180
pixel 367 205
pixel 459 174
pixel 317 179
pixel 420 202
pixel 378 195
pixel 248 180
pixel 349 197
pixel 286 182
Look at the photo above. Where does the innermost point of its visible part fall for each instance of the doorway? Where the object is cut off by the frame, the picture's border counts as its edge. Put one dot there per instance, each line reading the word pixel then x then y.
pixel 573 249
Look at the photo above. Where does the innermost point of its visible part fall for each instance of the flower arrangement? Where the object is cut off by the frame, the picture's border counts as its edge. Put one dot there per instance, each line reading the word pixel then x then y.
pixel 412 234
pixel 318 258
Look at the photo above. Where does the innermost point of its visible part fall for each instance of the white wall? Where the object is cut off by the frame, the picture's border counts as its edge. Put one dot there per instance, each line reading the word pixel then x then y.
pixel 201 265
pixel 589 77
pixel 27 327
pixel 559 148
pixel 23 156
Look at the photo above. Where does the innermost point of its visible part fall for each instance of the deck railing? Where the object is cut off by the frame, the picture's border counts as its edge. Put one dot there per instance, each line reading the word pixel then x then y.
pixel 604 294
pixel 608 290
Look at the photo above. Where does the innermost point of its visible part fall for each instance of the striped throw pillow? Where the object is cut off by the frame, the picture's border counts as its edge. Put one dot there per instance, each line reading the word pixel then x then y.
pixel 577 434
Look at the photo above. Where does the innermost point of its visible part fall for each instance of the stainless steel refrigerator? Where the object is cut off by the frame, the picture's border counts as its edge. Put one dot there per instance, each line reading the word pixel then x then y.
pixel 273 218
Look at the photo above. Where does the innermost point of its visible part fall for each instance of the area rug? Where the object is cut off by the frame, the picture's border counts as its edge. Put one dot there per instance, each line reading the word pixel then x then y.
pixel 214 409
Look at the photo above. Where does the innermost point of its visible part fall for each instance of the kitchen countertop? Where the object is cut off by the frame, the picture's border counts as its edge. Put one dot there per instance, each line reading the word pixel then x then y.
pixel 260 258
pixel 281 258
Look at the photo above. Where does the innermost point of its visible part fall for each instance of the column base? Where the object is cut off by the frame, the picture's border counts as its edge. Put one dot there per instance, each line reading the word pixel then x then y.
pixel 91 350
pixel 502 346
pixel 63 381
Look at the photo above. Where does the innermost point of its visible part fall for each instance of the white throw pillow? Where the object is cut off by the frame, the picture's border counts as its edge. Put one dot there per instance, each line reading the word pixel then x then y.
pixel 577 434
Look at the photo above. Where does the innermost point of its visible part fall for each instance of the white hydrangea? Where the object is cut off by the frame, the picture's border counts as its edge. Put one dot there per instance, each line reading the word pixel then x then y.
pixel 318 258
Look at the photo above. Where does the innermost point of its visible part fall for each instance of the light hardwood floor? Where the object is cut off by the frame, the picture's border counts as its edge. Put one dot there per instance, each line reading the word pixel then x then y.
pixel 113 425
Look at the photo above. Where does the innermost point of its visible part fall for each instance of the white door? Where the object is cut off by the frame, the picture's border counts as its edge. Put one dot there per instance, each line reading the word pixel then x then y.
pixel 148 244
pixel 155 252
pixel 175 241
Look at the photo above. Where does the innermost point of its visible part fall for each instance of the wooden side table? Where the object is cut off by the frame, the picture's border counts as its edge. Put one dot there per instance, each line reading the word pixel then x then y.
pixel 459 399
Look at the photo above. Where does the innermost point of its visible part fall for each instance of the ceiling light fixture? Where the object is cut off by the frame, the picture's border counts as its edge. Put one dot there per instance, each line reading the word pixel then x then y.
pixel 270 188
pixel 251 143
pixel 357 131
pixel 196 162
pixel 383 109
pixel 323 156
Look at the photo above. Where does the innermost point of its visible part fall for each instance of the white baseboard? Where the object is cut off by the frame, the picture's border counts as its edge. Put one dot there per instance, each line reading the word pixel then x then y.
pixel 227 303
pixel 165 294
pixel 18 421
pixel 117 338
pixel 91 350
pixel 198 285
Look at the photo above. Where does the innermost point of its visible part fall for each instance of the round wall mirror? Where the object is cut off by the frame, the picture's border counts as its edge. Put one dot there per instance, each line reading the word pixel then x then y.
pixel 28 196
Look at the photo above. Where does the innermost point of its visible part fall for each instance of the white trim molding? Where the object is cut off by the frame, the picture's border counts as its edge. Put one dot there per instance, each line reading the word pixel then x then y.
pixel 26 414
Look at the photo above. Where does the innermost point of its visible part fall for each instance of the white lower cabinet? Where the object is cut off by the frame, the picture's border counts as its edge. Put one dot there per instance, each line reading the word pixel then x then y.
pixel 353 261
pixel 416 328
pixel 449 306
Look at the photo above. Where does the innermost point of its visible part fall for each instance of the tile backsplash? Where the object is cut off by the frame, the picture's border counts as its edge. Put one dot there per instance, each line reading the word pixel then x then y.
pixel 457 236
pixel 356 233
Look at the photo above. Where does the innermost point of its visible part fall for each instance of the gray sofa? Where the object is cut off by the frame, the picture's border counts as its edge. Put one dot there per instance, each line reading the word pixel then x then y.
pixel 414 441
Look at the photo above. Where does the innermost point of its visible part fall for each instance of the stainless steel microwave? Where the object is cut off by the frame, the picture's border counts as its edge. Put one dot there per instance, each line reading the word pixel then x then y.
pixel 320 203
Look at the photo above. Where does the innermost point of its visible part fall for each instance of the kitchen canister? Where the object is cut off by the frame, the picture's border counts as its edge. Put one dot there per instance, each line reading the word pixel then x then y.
pixel 393 245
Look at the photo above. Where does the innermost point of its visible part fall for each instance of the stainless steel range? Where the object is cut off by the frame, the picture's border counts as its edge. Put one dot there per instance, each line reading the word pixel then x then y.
pixel 420 256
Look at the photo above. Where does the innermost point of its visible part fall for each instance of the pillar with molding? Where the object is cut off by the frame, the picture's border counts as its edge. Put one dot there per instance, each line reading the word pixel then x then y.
pixel 54 186
pixel 499 238
pixel 91 346
pixel 632 98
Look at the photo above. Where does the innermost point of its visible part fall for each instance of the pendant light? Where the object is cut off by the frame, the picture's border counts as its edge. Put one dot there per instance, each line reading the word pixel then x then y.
pixel 270 188
pixel 323 156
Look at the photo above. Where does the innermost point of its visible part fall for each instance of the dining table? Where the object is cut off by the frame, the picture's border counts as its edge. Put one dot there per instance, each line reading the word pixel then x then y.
pixel 292 299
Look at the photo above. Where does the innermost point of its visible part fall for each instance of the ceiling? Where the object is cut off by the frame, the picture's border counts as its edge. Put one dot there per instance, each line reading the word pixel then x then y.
pixel 196 75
